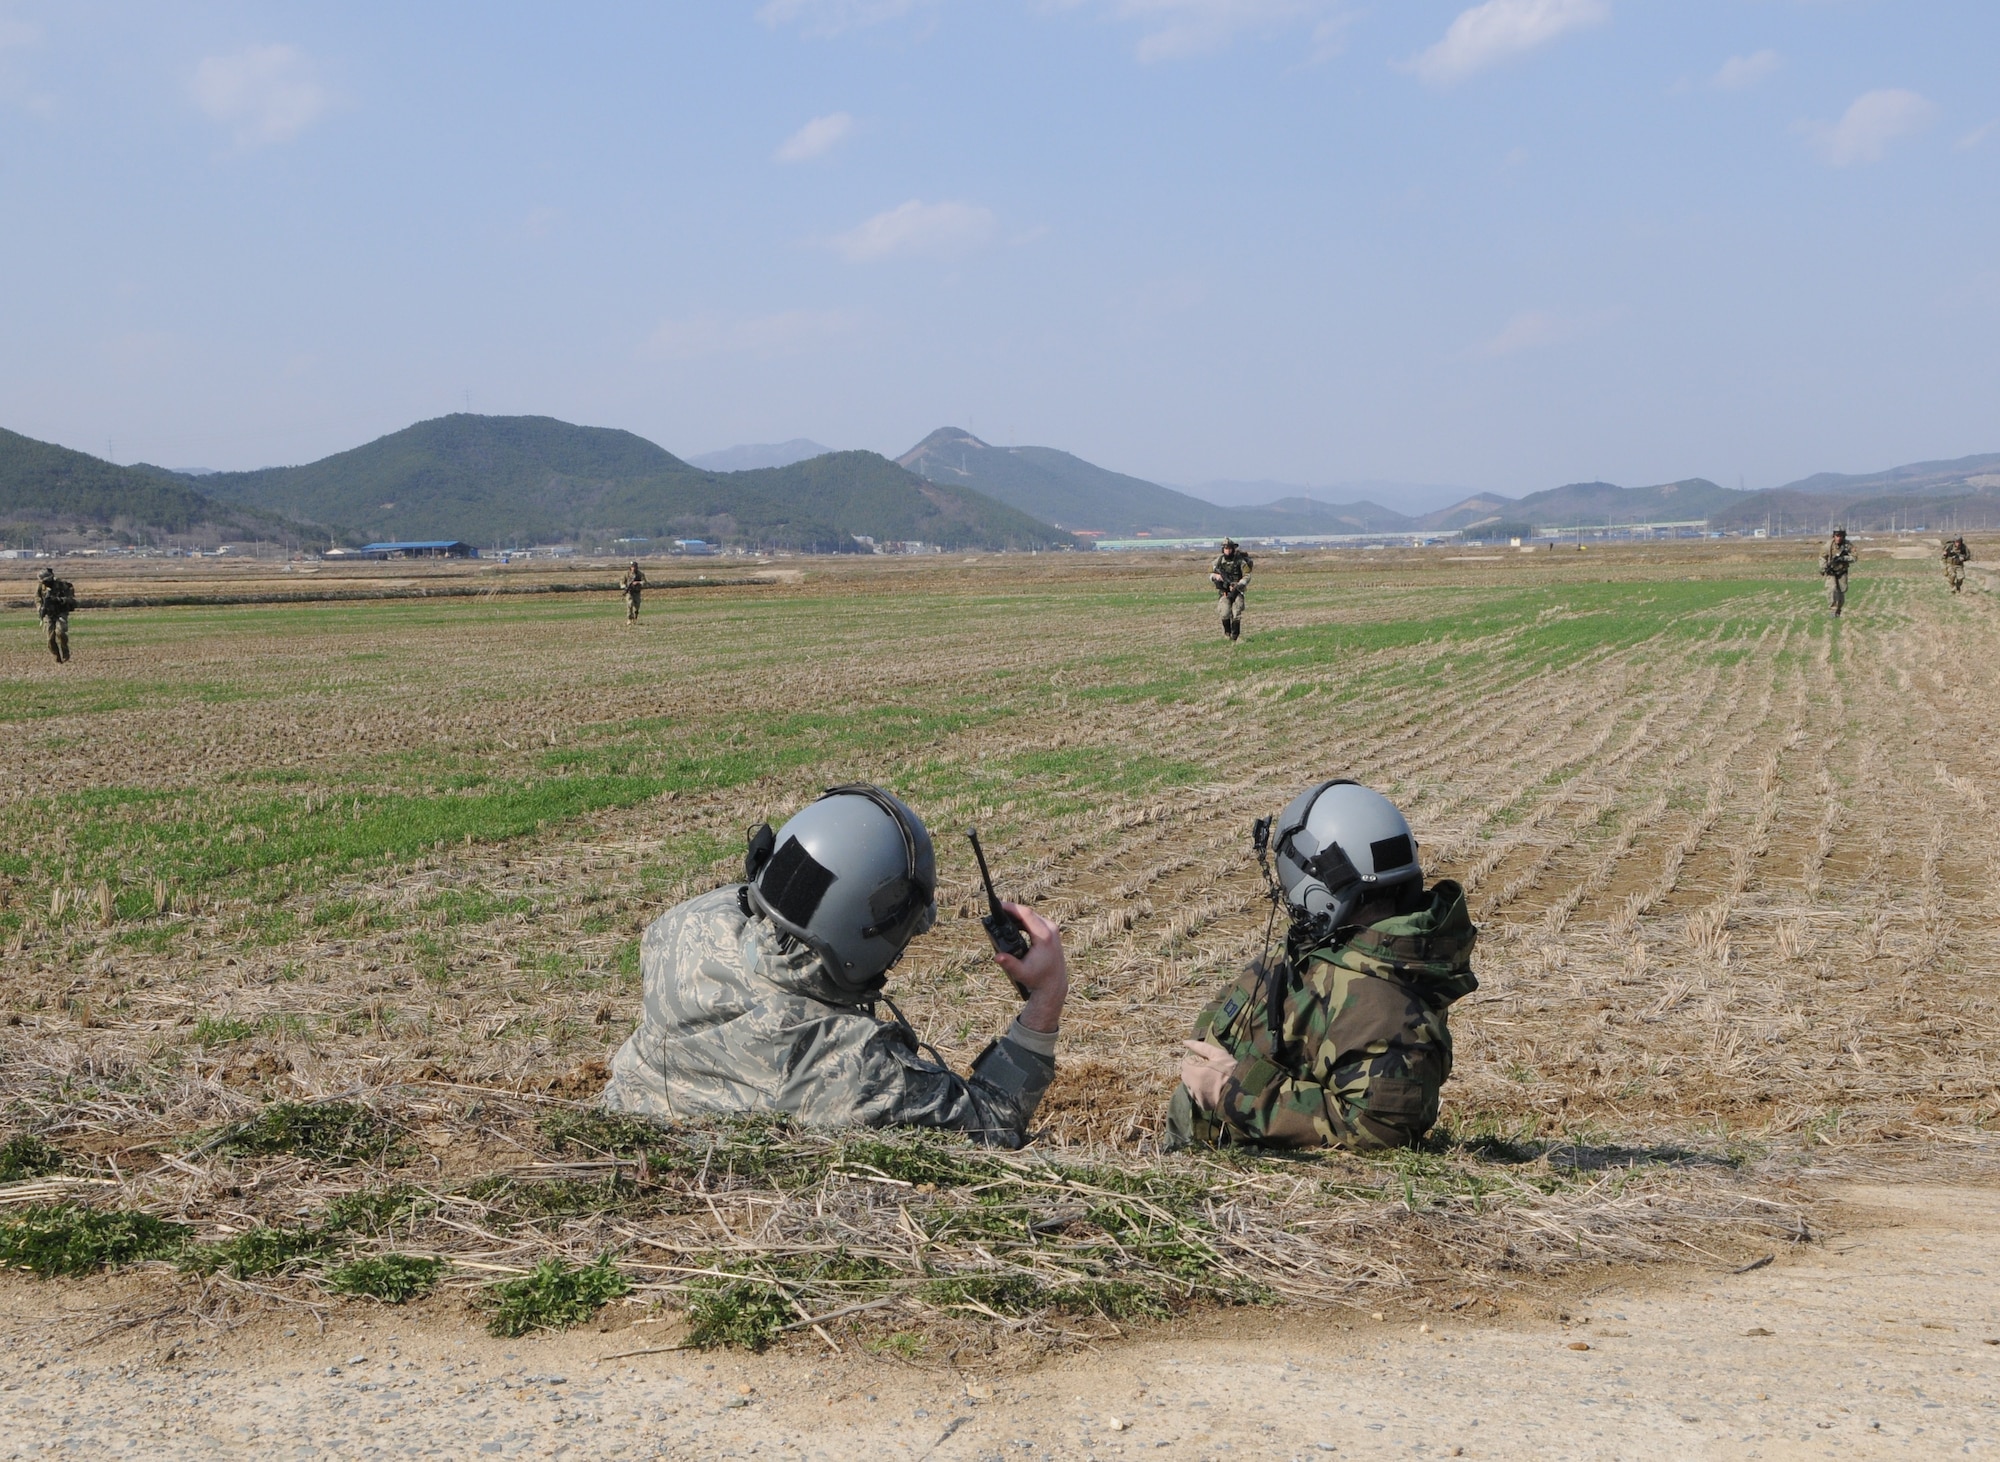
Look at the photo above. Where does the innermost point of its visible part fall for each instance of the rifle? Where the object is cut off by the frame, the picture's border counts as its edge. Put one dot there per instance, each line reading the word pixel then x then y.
pixel 1002 928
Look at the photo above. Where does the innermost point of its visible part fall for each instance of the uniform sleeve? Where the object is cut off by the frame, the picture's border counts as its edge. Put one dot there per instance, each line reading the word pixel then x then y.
pixel 868 1075
pixel 1269 1103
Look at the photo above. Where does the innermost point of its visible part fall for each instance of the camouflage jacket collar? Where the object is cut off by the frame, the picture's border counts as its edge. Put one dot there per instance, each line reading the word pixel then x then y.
pixel 1429 950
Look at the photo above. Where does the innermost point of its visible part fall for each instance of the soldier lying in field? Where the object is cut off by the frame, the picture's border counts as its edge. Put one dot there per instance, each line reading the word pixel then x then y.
pixel 762 996
pixel 1344 1042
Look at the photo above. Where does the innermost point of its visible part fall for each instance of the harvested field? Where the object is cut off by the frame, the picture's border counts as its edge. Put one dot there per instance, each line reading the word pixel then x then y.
pixel 1731 861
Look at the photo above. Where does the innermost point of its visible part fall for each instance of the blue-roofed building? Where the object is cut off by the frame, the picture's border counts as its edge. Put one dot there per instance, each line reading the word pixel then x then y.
pixel 431 548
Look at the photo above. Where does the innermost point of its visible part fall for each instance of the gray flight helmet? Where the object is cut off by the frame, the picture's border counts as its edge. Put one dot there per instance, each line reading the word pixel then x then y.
pixel 1337 844
pixel 852 877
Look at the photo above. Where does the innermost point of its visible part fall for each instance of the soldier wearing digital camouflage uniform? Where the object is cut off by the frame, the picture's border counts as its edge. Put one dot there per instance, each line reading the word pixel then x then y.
pixel 1834 564
pixel 762 996
pixel 1956 557
pixel 55 601
pixel 1230 573
pixel 1344 1042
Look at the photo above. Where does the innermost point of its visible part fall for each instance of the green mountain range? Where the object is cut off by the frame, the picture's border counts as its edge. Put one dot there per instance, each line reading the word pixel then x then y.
pixel 533 479
pixel 50 494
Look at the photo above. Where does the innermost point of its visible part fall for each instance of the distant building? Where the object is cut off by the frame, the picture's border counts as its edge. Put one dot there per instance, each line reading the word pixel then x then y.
pixel 693 545
pixel 432 548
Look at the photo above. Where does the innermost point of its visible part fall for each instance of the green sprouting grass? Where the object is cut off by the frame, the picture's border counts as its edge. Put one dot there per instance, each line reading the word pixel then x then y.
pixel 376 1210
pixel 221 1030
pixel 395 1279
pixel 26 1155
pixel 473 905
pixel 269 833
pixel 328 1132
pixel 748 1309
pixel 1100 769
pixel 740 1314
pixel 220 839
pixel 554 1296
pixel 259 1251
pixel 63 1238
pixel 603 1134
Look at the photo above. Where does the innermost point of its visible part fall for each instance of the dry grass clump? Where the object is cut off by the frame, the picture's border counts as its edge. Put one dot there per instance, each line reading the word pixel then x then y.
pixel 755 1229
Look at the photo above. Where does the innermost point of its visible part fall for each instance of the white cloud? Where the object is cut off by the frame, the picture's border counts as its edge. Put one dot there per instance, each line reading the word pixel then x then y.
pixel 1977 135
pixel 1500 30
pixel 267 93
pixel 831 17
pixel 1869 125
pixel 1175 29
pixel 1739 73
pixel 817 138
pixel 786 333
pixel 17 33
pixel 1533 329
pixel 916 227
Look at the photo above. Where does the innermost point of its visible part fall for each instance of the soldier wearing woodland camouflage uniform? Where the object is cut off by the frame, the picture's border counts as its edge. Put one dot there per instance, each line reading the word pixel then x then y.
pixel 632 586
pixel 55 601
pixel 1230 573
pixel 1834 564
pixel 762 996
pixel 1956 557
pixel 1344 1042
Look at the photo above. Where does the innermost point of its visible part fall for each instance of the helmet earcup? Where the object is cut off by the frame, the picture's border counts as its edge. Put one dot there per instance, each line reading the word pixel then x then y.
pixel 852 877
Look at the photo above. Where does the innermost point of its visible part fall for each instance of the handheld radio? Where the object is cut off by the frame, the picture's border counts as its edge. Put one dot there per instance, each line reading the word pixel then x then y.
pixel 1001 927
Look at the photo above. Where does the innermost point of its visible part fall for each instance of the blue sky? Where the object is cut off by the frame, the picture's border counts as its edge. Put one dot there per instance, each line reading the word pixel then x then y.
pixel 1505 246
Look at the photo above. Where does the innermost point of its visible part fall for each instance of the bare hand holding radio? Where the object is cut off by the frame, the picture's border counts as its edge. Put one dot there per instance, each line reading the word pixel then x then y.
pixel 1029 948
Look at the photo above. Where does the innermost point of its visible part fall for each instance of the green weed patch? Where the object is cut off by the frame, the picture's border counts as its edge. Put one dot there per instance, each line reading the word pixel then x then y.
pixel 259 1252
pixel 394 1279
pixel 64 1238
pixel 25 1155
pixel 328 1132
pixel 740 1314
pixel 555 1296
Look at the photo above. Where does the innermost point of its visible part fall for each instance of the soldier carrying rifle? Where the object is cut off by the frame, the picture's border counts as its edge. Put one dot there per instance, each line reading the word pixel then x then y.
pixel 1956 557
pixel 1230 574
pixel 55 601
pixel 1833 565
pixel 632 586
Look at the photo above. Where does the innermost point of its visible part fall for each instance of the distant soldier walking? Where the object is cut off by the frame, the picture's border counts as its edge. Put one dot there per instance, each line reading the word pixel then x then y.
pixel 633 584
pixel 1834 564
pixel 1956 557
pixel 1230 574
pixel 55 601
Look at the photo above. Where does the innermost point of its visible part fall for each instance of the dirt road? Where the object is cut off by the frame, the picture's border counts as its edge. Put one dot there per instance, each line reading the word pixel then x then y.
pixel 1882 1340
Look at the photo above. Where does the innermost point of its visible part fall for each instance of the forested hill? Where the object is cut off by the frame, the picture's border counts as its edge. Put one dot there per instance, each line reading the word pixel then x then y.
pixel 49 491
pixel 533 479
